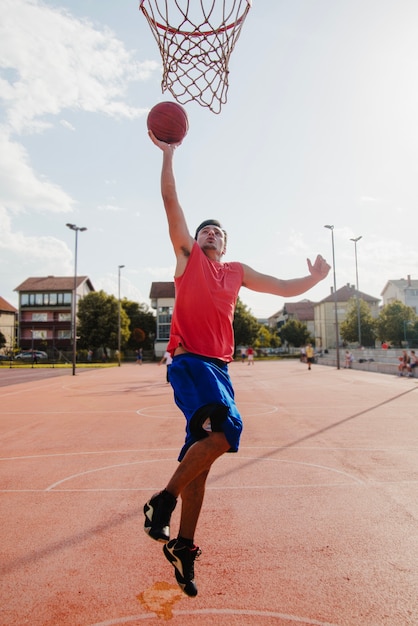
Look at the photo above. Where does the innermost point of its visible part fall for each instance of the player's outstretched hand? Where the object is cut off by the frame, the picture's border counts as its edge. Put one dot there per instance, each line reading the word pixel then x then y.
pixel 161 144
pixel 319 269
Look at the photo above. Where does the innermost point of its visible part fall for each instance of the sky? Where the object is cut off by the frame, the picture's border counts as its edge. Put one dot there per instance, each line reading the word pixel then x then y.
pixel 320 128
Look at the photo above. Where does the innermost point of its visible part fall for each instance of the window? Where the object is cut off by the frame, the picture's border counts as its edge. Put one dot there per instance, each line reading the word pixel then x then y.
pixel 45 299
pixel 39 317
pixel 164 315
pixel 64 317
pixel 64 334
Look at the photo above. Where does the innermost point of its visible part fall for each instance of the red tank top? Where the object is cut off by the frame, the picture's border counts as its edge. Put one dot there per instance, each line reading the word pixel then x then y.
pixel 206 295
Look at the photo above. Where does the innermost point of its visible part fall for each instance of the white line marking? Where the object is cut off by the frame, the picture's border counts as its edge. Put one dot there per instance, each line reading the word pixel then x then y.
pixel 267 614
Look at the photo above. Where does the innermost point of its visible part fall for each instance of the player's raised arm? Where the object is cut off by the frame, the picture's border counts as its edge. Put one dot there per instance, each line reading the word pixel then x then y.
pixel 292 287
pixel 179 233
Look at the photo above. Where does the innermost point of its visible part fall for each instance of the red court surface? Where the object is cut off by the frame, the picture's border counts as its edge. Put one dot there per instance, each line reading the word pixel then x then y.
pixel 314 521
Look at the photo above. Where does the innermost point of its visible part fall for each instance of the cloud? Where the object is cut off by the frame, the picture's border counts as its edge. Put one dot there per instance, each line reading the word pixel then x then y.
pixel 67 125
pixel 48 253
pixel 55 61
pixel 52 62
pixel 369 200
pixel 109 284
pixel 110 208
pixel 295 244
pixel 21 188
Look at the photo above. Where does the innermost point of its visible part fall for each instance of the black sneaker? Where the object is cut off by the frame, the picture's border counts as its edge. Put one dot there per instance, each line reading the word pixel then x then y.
pixel 182 558
pixel 158 512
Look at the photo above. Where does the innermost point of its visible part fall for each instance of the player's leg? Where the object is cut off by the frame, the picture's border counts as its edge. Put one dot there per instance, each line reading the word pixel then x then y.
pixel 198 459
pixel 191 504
pixel 182 552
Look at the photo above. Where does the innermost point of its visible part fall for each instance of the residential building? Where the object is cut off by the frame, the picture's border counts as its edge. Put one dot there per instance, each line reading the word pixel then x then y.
pixel 45 311
pixel 404 290
pixel 325 331
pixel 8 324
pixel 162 297
pixel 302 311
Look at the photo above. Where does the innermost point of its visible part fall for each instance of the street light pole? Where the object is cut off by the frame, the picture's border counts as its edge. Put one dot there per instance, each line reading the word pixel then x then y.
pixel 76 230
pixel 331 228
pixel 356 239
pixel 119 269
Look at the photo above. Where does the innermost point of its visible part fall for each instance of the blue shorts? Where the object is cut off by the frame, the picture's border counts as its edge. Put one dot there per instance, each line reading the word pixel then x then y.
pixel 203 392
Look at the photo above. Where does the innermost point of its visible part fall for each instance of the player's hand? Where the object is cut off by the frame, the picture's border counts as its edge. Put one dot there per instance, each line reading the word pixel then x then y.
pixel 319 269
pixel 161 144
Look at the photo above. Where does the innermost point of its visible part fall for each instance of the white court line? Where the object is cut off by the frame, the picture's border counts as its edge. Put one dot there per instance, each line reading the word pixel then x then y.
pixel 267 614
pixel 291 449
pixel 141 462
pixel 260 409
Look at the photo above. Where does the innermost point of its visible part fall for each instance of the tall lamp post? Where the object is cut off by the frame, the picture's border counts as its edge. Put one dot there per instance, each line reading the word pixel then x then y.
pixel 356 239
pixel 119 269
pixel 331 228
pixel 76 230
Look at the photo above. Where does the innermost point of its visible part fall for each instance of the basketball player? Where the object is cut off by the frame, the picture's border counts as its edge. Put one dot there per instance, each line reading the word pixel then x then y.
pixel 202 344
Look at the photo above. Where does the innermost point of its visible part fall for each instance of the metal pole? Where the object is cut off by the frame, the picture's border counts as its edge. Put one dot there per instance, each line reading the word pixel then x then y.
pixel 357 290
pixel 331 228
pixel 76 229
pixel 119 269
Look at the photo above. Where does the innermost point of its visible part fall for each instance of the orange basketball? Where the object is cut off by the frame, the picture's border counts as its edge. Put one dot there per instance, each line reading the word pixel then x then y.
pixel 168 121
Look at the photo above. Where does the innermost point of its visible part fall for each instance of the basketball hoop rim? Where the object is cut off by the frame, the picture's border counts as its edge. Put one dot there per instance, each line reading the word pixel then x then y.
pixel 198 33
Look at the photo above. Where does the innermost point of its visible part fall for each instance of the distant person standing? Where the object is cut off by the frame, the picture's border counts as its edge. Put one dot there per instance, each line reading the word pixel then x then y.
pixel 348 359
pixel 250 355
pixel 167 359
pixel 139 356
pixel 310 354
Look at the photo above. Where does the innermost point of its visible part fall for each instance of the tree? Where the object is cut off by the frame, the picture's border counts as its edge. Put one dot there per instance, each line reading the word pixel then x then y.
pixel 295 333
pixel 245 325
pixel 142 325
pixel 349 327
pixel 394 320
pixel 266 338
pixel 98 321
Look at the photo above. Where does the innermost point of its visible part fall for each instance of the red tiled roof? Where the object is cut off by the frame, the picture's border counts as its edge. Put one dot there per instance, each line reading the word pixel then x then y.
pixel 162 290
pixel 52 283
pixel 5 307
pixel 303 311
pixel 348 291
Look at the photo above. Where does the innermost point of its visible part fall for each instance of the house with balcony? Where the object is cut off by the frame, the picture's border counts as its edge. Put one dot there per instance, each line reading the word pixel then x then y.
pixel 46 311
pixel 162 295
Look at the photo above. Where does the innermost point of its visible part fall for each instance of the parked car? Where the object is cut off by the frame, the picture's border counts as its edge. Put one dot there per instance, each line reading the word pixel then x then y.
pixel 30 355
pixel 5 357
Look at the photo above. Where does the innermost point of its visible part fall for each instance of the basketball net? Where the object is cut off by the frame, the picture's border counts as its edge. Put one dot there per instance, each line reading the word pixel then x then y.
pixel 196 39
